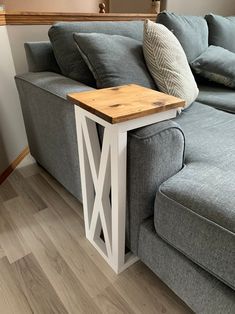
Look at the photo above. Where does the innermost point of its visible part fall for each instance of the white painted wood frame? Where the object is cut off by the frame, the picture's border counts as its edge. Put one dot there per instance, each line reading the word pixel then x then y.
pixel 103 178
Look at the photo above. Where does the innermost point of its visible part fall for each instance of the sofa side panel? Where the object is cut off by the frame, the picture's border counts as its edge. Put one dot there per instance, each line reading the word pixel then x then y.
pixel 50 126
pixel 155 153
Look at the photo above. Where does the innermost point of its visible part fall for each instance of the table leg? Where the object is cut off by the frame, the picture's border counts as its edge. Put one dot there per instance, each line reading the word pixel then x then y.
pixel 103 170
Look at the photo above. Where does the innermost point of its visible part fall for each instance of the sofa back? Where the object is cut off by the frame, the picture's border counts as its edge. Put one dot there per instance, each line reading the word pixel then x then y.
pixel 65 49
pixel 221 31
pixel 40 57
pixel 191 31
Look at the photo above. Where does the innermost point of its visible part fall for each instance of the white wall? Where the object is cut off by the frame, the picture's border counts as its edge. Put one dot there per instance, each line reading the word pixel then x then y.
pixel 13 61
pixel 18 35
pixel 12 132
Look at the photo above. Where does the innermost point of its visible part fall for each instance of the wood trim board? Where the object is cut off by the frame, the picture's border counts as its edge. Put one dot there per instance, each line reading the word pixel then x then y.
pixel 48 18
pixel 2 19
pixel 14 164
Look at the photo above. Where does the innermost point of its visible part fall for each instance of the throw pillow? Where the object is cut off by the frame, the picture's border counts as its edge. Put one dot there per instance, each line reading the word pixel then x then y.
pixel 114 60
pixel 65 49
pixel 191 31
pixel 221 31
pixel 167 62
pixel 216 64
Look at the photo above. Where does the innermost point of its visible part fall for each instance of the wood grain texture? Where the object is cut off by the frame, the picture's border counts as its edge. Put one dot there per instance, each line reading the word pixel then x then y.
pixel 7 191
pixel 61 272
pixel 12 298
pixel 48 18
pixel 70 211
pixel 23 188
pixel 2 19
pixel 14 164
pixel 11 240
pixel 63 280
pixel 36 287
pixel 64 194
pixel 84 268
pixel 53 200
pixel 29 170
pixel 145 295
pixel 2 253
pixel 110 301
pixel 118 104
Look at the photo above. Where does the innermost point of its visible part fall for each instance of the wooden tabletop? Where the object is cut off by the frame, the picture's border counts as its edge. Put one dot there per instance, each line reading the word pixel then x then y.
pixel 123 103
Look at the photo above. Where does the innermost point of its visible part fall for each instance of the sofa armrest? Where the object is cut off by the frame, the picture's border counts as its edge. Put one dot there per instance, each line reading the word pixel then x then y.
pixel 155 153
pixel 40 57
pixel 53 83
pixel 50 124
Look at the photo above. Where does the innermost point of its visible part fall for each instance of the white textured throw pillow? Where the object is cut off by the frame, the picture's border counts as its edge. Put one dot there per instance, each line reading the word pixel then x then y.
pixel 168 63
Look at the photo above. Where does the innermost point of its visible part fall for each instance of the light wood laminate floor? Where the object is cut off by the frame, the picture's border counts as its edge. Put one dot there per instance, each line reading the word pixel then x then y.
pixel 47 265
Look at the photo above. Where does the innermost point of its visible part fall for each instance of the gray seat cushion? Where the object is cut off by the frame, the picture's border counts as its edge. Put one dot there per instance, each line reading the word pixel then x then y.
pixel 217 96
pixel 191 31
pixel 221 31
pixel 114 60
pixel 65 49
pixel 195 209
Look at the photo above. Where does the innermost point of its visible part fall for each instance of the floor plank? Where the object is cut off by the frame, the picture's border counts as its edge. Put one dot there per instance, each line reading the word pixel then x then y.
pixel 2 253
pixel 68 197
pixel 30 170
pixel 54 268
pixel 36 287
pixel 111 302
pixel 71 220
pixel 85 269
pixel 11 240
pixel 168 301
pixel 24 189
pixel 7 191
pixel 67 286
pixel 55 201
pixel 12 298
pixel 147 298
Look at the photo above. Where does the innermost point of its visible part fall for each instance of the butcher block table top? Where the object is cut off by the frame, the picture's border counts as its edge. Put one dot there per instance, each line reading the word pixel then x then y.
pixel 123 103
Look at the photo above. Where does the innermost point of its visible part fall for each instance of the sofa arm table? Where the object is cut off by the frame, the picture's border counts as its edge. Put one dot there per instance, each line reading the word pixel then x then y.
pixel 103 170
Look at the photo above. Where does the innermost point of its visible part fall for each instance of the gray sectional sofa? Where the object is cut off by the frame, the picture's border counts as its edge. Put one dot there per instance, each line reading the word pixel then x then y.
pixel 181 173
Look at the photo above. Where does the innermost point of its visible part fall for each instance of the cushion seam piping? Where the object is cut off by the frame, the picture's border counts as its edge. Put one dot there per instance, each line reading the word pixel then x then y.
pixel 194 213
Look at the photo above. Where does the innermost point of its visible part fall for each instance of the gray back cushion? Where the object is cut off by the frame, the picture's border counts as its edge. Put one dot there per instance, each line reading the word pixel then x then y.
pixel 68 56
pixel 114 60
pixel 221 31
pixel 216 64
pixel 191 31
pixel 40 57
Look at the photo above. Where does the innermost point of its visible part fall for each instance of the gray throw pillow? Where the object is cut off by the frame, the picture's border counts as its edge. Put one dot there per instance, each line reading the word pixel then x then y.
pixel 191 31
pixel 221 31
pixel 216 64
pixel 114 60
pixel 65 49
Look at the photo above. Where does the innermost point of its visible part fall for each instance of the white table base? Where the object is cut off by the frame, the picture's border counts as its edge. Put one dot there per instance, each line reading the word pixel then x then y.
pixel 103 179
